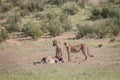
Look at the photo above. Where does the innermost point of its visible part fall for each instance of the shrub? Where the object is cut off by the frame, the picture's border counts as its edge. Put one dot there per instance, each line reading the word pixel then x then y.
pixel 67 25
pixel 81 3
pixel 118 2
pixel 2 16
pixel 55 28
pixel 112 39
pixel 5 7
pixel 101 31
pixel 112 1
pixel 95 14
pixel 51 15
pixel 113 13
pixel 36 6
pixel 57 2
pixel 63 17
pixel 32 30
pixel 114 24
pixel 44 27
pixel 83 30
pixel 103 13
pixel 98 31
pixel 15 2
pixel 56 23
pixel 12 24
pixel 116 20
pixel 32 6
pixel 70 8
pixel 115 30
pixel 100 45
pixel 3 35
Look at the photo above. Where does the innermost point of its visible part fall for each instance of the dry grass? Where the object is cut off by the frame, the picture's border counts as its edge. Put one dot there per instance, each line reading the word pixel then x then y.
pixel 16 61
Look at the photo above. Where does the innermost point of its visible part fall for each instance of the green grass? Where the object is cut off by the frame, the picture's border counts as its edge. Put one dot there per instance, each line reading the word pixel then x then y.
pixel 56 72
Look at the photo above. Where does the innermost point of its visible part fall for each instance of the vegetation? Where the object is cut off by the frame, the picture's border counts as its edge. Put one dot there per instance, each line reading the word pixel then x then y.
pixel 83 30
pixel 112 39
pixel 100 45
pixel 12 24
pixel 58 16
pixel 3 35
pixel 33 30
pixel 55 28
pixel 102 13
pixel 70 8
pixel 50 18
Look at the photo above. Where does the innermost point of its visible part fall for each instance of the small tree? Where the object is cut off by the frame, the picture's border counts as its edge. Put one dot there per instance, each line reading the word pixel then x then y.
pixel 67 25
pixel 83 30
pixel 55 28
pixel 5 7
pixel 95 14
pixel 115 30
pixel 81 3
pixel 101 31
pixel 32 30
pixel 3 35
pixel 12 23
pixel 70 8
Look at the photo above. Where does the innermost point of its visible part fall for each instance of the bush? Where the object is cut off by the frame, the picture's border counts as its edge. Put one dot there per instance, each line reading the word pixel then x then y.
pixel 63 17
pixel 55 28
pixel 103 13
pixel 56 23
pixel 32 6
pixel 15 2
pixel 70 8
pixel 67 25
pixel 116 20
pixel 81 3
pixel 51 15
pixel 44 27
pixel 115 30
pixel 3 35
pixel 95 14
pixel 32 30
pixel 83 30
pixel 91 32
pixel 118 2
pixel 112 1
pixel 2 16
pixel 101 31
pixel 112 39
pixel 114 26
pixel 57 2
pixel 5 7
pixel 12 24
pixel 100 45
pixel 113 13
